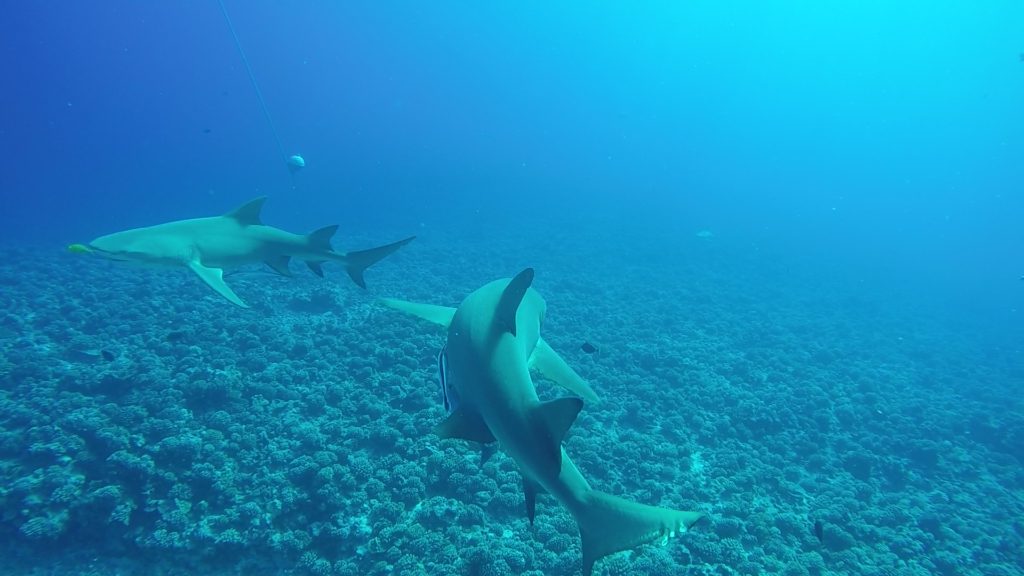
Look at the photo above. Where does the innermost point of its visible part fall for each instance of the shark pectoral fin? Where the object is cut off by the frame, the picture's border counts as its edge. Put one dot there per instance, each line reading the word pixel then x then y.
pixel 441 315
pixel 316 268
pixel 280 265
pixel 552 366
pixel 214 278
pixel 530 490
pixel 556 417
pixel 248 214
pixel 511 297
pixel 465 425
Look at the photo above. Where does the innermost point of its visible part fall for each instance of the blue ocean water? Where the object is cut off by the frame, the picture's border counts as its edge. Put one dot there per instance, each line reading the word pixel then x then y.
pixel 791 233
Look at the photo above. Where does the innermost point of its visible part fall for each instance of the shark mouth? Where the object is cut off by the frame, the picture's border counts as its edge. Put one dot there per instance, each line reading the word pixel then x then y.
pixel 448 396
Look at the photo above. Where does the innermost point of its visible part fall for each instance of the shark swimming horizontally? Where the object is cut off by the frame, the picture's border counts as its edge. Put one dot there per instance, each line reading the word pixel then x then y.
pixel 493 341
pixel 208 245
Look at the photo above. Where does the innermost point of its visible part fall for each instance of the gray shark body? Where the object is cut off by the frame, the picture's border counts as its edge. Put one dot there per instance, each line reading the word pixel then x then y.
pixel 493 341
pixel 209 245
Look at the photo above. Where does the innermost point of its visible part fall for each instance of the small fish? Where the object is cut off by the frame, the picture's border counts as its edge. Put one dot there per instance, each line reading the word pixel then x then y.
pixel 588 348
pixel 107 355
pixel 85 354
pixel 206 130
pixel 819 530
pixel 448 396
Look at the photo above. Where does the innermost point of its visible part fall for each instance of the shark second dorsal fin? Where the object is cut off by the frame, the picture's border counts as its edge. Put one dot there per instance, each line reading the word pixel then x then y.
pixel 321 238
pixel 556 417
pixel 511 297
pixel 248 214
pixel 552 366
pixel 465 425
pixel 441 315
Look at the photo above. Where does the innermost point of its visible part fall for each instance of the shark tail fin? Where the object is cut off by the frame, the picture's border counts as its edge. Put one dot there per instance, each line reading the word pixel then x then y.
pixel 511 297
pixel 248 214
pixel 610 524
pixel 357 262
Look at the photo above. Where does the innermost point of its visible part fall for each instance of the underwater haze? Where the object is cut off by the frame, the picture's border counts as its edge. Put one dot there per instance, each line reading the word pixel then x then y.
pixel 782 241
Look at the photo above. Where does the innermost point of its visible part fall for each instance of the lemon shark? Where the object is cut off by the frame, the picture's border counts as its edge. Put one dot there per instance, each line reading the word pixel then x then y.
pixel 493 342
pixel 208 245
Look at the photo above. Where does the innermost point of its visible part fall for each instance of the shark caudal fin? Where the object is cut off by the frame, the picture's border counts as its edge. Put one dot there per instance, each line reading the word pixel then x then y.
pixel 610 524
pixel 357 262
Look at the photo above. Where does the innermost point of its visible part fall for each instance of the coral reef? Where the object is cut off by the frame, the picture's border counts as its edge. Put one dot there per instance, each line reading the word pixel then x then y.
pixel 294 438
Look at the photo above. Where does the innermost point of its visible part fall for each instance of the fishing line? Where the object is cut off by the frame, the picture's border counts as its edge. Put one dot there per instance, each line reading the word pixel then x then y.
pixel 294 162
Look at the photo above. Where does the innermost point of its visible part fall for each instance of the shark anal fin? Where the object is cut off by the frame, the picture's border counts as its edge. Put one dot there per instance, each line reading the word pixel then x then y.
pixel 465 425
pixel 248 214
pixel 530 490
pixel 214 278
pixel 552 366
pixel 556 417
pixel 511 297
pixel 316 268
pixel 357 262
pixel 441 315
pixel 280 265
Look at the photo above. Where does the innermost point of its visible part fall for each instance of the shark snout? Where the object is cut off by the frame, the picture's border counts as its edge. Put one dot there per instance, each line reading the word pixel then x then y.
pixel 96 251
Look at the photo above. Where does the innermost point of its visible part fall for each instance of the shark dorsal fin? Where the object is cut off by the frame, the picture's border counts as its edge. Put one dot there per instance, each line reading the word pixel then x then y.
pixel 465 425
pixel 511 297
pixel 556 417
pixel 248 214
